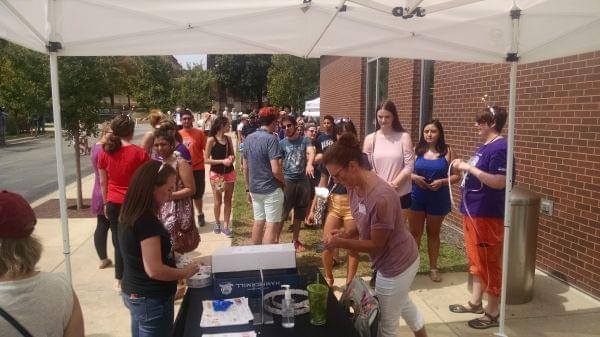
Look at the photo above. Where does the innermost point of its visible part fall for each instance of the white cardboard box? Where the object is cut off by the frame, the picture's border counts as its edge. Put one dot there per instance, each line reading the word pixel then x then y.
pixel 241 258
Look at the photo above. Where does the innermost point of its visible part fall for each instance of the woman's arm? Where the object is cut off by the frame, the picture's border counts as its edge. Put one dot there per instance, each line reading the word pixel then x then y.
pixel 75 327
pixel 187 178
pixel 495 181
pixel 409 161
pixel 154 267
pixel 148 142
pixel 376 245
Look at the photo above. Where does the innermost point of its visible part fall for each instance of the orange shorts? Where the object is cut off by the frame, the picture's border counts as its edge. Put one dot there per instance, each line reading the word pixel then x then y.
pixel 483 243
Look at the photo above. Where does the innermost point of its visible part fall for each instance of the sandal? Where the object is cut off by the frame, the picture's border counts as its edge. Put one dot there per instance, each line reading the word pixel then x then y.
pixel 483 323
pixel 434 275
pixel 470 309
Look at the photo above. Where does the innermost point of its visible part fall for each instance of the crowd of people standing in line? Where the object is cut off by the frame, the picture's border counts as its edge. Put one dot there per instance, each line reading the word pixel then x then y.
pixel 383 195
pixel 146 196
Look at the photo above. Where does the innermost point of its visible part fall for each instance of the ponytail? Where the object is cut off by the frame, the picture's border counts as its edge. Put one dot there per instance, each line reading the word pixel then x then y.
pixel 113 143
pixel 122 126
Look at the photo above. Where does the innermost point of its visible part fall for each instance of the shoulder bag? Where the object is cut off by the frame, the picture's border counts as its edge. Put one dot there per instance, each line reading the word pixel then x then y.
pixel 15 323
pixel 178 218
pixel 320 212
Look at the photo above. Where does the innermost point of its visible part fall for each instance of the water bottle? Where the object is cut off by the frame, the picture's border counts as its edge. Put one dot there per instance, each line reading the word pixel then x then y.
pixel 287 308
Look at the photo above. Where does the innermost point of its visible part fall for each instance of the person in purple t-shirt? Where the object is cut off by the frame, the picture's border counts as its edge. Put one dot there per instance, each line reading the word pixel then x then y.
pixel 97 207
pixel 483 217
pixel 382 234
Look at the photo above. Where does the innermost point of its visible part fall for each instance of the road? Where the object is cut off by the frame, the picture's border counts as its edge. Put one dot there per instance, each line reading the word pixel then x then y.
pixel 29 167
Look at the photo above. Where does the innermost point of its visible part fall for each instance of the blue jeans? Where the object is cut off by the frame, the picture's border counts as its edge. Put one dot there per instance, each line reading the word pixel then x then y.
pixel 150 317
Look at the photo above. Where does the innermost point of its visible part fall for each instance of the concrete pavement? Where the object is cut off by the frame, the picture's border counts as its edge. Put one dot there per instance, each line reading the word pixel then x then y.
pixel 556 311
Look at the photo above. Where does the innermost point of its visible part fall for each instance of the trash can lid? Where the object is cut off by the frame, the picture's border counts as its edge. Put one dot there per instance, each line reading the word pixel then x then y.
pixel 522 196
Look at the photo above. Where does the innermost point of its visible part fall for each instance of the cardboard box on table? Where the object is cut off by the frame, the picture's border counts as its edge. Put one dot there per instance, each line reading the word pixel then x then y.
pixel 253 271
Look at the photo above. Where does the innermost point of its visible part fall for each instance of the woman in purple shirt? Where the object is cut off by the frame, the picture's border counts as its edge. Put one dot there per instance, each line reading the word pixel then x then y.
pixel 483 217
pixel 102 224
pixel 380 225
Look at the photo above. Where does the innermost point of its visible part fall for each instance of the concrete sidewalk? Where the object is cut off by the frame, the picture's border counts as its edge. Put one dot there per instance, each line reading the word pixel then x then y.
pixel 556 311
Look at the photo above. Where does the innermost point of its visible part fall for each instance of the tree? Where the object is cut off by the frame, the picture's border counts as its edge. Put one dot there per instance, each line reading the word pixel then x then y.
pixel 120 73
pixel 153 82
pixel 24 84
pixel 192 89
pixel 293 80
pixel 82 85
pixel 244 75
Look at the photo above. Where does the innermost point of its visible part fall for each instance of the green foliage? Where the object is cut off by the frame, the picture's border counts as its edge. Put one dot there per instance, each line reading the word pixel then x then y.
pixel 244 75
pixel 293 80
pixel 192 89
pixel 24 85
pixel 83 82
pixel 153 81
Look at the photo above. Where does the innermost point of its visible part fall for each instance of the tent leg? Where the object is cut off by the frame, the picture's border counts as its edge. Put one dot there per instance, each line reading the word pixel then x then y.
pixel 60 174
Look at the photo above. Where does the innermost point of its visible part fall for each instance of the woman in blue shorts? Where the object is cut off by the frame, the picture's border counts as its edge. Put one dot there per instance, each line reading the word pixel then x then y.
pixel 430 192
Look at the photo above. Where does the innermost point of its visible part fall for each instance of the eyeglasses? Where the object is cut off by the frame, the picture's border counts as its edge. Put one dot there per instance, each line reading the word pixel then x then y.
pixel 287 126
pixel 311 130
pixel 342 120
pixel 337 173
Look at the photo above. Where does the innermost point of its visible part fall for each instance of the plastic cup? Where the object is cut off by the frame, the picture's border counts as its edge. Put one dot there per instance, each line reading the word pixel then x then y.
pixel 317 300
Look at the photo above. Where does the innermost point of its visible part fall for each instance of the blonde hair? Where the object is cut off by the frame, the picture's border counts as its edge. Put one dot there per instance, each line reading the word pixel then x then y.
pixel 18 257
pixel 156 117
pixel 104 128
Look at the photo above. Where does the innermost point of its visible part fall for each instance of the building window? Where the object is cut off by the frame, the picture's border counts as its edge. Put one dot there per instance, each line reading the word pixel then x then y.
pixel 427 85
pixel 376 90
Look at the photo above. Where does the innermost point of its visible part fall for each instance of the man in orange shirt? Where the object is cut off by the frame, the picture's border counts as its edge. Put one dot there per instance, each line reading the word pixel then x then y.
pixel 195 140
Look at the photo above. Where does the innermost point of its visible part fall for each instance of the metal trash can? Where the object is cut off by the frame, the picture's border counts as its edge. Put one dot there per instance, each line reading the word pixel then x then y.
pixel 525 210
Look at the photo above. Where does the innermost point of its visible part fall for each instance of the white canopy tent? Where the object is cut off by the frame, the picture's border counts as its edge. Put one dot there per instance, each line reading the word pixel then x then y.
pixel 450 30
pixel 312 108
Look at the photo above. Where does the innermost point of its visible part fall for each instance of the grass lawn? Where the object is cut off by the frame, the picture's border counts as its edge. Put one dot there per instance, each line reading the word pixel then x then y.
pixel 451 258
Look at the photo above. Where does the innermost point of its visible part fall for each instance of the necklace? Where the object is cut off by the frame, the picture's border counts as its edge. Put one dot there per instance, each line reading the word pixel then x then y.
pixel 492 140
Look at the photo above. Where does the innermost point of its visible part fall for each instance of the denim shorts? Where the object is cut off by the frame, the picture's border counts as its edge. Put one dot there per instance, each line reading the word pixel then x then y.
pixel 268 207
pixel 150 316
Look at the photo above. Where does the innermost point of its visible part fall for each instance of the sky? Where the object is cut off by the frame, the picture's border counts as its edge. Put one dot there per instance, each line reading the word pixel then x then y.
pixel 189 60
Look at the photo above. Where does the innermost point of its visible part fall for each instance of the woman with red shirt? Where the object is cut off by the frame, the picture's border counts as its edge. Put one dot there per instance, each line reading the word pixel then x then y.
pixel 116 166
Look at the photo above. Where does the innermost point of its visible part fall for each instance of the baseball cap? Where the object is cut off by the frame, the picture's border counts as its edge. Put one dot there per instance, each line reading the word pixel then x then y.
pixel 17 218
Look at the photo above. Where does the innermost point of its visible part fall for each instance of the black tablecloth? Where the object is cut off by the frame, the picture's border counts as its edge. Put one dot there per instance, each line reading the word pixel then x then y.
pixel 187 323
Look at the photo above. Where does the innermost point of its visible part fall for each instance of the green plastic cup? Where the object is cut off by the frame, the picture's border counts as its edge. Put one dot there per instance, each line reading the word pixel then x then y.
pixel 317 300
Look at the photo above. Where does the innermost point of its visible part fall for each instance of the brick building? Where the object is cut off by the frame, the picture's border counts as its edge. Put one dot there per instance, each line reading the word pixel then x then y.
pixel 557 136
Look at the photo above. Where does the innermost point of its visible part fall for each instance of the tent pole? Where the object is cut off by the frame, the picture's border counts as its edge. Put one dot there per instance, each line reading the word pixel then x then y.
pixel 60 174
pixel 513 58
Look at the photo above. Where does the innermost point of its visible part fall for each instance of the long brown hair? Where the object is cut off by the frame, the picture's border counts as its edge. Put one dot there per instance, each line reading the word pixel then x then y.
pixel 389 105
pixel 122 126
pixel 139 198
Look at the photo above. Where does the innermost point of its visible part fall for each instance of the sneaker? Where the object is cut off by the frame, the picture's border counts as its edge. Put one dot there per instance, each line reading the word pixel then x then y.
pixel 298 246
pixel 201 222
pixel 228 233
pixel 217 228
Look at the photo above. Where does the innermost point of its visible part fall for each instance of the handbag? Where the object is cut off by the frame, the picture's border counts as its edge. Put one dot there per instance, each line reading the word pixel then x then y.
pixel 365 315
pixel 178 218
pixel 217 181
pixel 12 321
pixel 320 212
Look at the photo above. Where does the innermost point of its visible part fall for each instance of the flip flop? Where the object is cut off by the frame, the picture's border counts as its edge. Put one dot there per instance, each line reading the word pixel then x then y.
pixel 482 323
pixel 470 309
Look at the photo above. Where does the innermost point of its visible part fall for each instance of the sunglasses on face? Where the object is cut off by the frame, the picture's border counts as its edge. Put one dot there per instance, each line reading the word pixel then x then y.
pixel 342 120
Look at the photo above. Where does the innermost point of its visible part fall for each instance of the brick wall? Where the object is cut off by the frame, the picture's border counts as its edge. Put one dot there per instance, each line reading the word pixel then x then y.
pixel 404 83
pixel 343 88
pixel 557 148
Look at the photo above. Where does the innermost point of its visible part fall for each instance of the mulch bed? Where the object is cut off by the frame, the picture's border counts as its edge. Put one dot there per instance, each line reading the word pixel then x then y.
pixel 51 209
